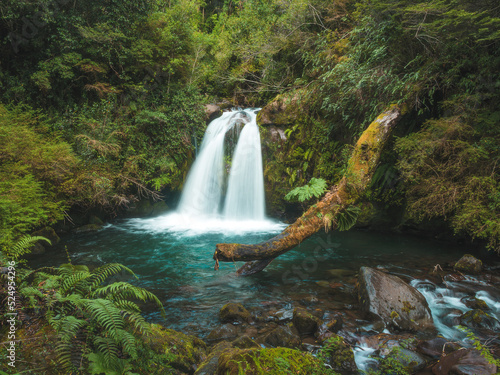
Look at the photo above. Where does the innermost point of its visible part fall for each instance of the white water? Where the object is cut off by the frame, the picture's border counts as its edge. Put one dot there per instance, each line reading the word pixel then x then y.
pixel 245 198
pixel 203 189
pixel 200 209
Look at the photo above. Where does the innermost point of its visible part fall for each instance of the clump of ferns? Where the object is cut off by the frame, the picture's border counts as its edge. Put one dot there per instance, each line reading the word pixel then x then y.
pixel 96 322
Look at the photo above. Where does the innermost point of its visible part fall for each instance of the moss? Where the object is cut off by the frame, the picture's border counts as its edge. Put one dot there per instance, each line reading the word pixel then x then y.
pixel 407 307
pixel 173 349
pixel 268 361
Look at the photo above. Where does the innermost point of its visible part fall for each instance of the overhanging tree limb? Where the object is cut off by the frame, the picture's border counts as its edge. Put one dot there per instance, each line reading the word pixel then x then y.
pixel 324 214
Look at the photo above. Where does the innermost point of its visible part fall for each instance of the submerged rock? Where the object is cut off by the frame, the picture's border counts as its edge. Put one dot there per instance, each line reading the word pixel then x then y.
pixel 232 312
pixel 464 362
pixel 387 297
pixel 260 361
pixel 469 264
pixel 305 322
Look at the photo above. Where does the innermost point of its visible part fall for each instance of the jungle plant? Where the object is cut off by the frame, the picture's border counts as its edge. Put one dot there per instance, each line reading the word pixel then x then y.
pixel 96 321
pixel 315 188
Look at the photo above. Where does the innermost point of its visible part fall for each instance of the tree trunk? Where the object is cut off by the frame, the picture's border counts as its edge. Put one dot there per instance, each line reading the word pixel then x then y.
pixel 324 214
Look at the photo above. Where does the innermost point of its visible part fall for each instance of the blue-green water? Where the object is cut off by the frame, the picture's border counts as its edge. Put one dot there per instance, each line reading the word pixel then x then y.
pixel 177 266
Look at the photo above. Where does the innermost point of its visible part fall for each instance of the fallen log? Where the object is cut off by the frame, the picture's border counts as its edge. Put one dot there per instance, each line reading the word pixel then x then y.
pixel 324 214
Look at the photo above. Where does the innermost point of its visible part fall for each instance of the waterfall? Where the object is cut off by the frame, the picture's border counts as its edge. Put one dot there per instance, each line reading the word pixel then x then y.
pixel 245 193
pixel 203 191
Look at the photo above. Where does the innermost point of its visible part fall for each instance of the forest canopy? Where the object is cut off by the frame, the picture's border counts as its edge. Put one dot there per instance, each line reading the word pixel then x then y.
pixel 102 102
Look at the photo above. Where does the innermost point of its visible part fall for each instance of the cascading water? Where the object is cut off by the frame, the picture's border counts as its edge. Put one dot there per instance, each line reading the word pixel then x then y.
pixel 245 197
pixel 203 190
pixel 200 208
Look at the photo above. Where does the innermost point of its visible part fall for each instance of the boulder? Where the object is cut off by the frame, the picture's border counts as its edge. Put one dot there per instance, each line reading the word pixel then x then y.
pixel 305 322
pixel 469 264
pixel 434 348
pixel 479 319
pixel 387 297
pixel 282 336
pixel 95 220
pixel 234 312
pixel 244 342
pixel 464 362
pixel 339 355
pixel 209 366
pixel 224 332
pixel 172 349
pixel 212 111
pixel 49 234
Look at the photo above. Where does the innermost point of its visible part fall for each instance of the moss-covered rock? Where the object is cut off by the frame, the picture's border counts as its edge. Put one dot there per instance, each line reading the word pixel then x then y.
pixel 209 365
pixel 49 234
pixel 305 322
pixel 244 342
pixel 339 355
pixel 479 319
pixel 277 361
pixel 469 264
pixel 233 312
pixel 166 349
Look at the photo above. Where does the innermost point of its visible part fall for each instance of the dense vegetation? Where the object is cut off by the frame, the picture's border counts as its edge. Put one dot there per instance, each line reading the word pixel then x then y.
pixel 101 104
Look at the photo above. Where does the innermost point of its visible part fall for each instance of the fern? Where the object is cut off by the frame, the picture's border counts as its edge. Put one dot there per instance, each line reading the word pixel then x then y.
pixel 347 219
pixel 23 246
pixel 316 187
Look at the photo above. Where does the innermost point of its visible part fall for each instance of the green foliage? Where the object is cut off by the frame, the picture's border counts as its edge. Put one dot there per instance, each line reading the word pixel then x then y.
pixel 22 247
pixel 449 167
pixel 480 347
pixel 347 218
pixel 393 363
pixel 316 187
pixel 96 322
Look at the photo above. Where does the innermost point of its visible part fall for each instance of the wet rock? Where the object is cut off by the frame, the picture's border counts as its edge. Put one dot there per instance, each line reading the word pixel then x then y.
pixel 159 208
pixel 397 304
pixel 469 264
pixel 309 300
pixel 305 322
pixel 283 315
pixel 209 366
pixel 411 360
pixel 339 355
pixel 479 319
pixel 283 336
pixel 212 111
pixel 475 303
pixel 233 312
pixel 49 234
pixel 224 332
pixel 87 229
pixel 434 348
pixel 95 220
pixel 464 362
pixel 260 361
pixel 276 134
pixel 244 342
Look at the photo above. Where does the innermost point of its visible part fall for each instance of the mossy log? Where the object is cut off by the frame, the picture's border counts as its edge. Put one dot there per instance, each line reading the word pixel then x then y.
pixel 360 169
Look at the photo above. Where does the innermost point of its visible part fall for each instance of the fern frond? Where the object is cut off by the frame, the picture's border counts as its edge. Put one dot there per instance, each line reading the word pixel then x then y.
pixel 77 282
pixel 23 246
pixel 102 273
pixel 347 218
pixel 124 291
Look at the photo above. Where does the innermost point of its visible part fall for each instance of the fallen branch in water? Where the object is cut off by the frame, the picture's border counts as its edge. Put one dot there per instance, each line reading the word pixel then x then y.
pixel 324 214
